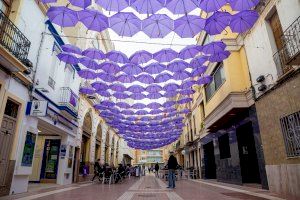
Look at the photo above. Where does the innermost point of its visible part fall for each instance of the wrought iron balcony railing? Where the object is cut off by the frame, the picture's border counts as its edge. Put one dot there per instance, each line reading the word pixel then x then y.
pixel 12 39
pixel 69 99
pixel 289 54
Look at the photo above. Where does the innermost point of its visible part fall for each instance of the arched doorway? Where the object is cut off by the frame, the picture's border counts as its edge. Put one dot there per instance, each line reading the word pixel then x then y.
pixel 98 142
pixel 85 144
pixel 106 155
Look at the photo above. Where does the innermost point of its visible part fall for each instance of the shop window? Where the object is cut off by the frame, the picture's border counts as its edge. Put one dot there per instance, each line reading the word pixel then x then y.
pixel 217 82
pixel 224 146
pixel 11 109
pixel 28 150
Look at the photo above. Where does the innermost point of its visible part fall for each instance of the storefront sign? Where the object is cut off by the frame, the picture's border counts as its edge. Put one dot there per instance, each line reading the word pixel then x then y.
pixel 28 150
pixel 37 108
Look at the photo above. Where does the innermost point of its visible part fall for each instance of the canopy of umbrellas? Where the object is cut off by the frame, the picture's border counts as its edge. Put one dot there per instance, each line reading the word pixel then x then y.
pixel 140 95
pixel 157 25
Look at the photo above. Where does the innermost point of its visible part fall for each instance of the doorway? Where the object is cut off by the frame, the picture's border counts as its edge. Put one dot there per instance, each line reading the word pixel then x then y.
pixel 76 165
pixel 247 154
pixel 209 161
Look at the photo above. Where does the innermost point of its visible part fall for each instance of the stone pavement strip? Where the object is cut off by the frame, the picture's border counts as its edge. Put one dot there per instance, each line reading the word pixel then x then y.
pixel 149 188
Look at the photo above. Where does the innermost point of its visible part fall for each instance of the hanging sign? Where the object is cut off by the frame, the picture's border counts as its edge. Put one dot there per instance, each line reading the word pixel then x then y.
pixel 37 108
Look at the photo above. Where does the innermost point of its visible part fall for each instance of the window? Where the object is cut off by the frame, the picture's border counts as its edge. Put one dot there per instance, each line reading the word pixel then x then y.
pixel 291 134
pixel 277 30
pixel 224 146
pixel 11 109
pixel 218 80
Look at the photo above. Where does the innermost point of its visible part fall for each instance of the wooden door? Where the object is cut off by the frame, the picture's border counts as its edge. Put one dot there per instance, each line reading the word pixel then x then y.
pixel 277 30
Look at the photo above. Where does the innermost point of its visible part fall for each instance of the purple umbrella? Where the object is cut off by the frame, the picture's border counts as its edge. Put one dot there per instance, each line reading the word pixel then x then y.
pixel 132 69
pixel 187 84
pixel 198 71
pixel 169 104
pixel 198 61
pixel 212 5
pixel 157 26
pixel 107 103
pixel 189 52
pixel 243 21
pixel 154 68
pixel 99 86
pixel 140 57
pixel 138 96
pixel 138 106
pixel 184 100
pixel 187 92
pixel 93 20
pixel 155 112
pixel 68 58
pixel 117 56
pixel 189 26
pixel 154 105
pixel 153 88
pixel 126 78
pixel 49 1
pixel 118 87
pixel 81 3
pixel 136 89
pixel 106 77
pixel 62 16
pixel 146 6
pixel 241 5
pixel 177 65
pixel 185 111
pixel 219 57
pixel 161 78
pixel 145 78
pixel 104 93
pixel 127 112
pixel 141 112
pixel 181 6
pixel 71 49
pixel 86 90
pixel 165 55
pixel 89 63
pixel 205 79
pixel 110 67
pixel 171 87
pixel 214 47
pixel 170 94
pixel 181 75
pixel 123 105
pixel 93 53
pixel 125 24
pixel 120 95
pixel 113 5
pixel 154 96
pixel 217 23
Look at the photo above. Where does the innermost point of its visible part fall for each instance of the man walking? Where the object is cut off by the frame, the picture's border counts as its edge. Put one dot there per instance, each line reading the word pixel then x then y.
pixel 172 165
pixel 156 170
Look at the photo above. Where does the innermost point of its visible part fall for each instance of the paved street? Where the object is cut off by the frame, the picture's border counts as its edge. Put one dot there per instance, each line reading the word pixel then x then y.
pixel 148 188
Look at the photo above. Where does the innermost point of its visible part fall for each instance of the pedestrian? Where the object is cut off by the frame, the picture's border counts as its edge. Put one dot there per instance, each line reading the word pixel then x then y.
pixel 156 170
pixel 97 169
pixel 172 166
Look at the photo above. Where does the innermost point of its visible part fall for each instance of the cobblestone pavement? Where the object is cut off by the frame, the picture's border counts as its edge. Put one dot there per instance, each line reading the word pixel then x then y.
pixel 148 188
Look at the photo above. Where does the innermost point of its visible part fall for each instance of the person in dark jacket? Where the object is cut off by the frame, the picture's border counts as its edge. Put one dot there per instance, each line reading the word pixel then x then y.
pixel 156 170
pixel 172 166
pixel 97 169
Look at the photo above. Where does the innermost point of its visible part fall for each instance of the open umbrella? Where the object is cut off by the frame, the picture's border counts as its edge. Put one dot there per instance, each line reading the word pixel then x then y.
pixel 181 6
pixel 154 68
pixel 93 20
pixel 106 77
pixel 153 88
pixel 217 23
pixel 145 78
pixel 127 112
pixel 154 105
pixel 205 79
pixel 48 1
pixel 170 94
pixel 189 52
pixel 113 5
pixel 68 58
pixel 187 92
pixel 169 104
pixel 81 3
pixel 198 71
pixel 86 74
pixel 171 87
pixel 93 53
pixel 141 112
pixel 214 47
pixel 188 26
pixel 187 84
pixel 161 78
pixel 243 21
pixel 241 5
pixel 118 87
pixel 154 96
pixel 198 61
pixel 177 66
pixel 110 67
pixel 211 5
pixel 136 89
pixel 156 111
pixel 126 78
pixel 86 90
pixel 99 86
pixel 219 57
pixel 89 63
pixel 140 57
pixel 69 48
pixel 123 105
pixel 184 100
pixel 117 56
pixel 125 24
pixel 138 106
pixel 157 26
pixel 103 93
pixel 165 55
pixel 181 75
pixel 120 95
pixel 132 69
pixel 138 96
pixel 146 6
pixel 62 16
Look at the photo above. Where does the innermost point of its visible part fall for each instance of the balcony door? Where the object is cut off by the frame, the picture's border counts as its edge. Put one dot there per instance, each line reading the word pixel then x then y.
pixel 277 30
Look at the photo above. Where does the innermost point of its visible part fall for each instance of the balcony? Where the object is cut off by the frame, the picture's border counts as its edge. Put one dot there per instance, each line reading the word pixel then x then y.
pixel 289 54
pixel 14 46
pixel 68 101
